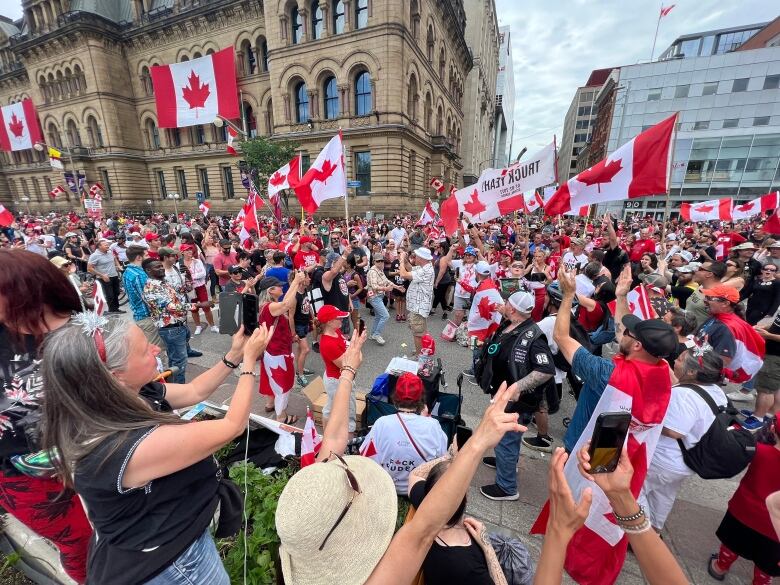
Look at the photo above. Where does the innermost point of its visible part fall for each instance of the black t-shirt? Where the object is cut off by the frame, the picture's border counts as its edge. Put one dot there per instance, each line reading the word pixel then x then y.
pixel 773 347
pixel 338 295
pixel 614 259
pixel 681 293
pixel 763 301
pixel 140 531
pixel 302 309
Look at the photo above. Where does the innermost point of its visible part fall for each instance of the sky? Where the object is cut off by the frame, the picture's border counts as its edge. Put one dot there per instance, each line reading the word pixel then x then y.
pixel 556 44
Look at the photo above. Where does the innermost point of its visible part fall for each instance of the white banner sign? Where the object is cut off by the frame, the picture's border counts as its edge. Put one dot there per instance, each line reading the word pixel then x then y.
pixel 499 191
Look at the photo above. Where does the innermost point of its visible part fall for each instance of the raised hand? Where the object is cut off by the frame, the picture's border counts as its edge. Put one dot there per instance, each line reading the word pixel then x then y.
pixel 623 284
pixel 496 422
pixel 566 515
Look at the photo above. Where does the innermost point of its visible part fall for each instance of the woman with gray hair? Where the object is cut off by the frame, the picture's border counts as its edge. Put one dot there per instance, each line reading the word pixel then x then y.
pixel 148 479
pixel 688 418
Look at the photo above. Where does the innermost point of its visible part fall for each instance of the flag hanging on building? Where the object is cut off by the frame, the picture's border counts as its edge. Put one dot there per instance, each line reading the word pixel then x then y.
pixel 6 217
pixel 639 168
pixel 55 158
pixel 282 177
pixel 19 129
pixel 204 208
pixel 437 184
pixel 57 191
pixel 232 133
pixel 428 214
pixel 707 210
pixel 325 179
pixel 768 202
pixel 195 92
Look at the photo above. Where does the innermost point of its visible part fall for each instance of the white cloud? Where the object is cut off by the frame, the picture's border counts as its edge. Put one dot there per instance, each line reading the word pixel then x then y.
pixel 11 8
pixel 555 46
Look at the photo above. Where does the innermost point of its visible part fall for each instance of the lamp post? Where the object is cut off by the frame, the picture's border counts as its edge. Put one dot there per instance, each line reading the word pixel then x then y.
pixel 175 197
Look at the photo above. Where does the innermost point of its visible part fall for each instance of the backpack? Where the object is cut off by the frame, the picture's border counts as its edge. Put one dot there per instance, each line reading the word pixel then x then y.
pixel 725 449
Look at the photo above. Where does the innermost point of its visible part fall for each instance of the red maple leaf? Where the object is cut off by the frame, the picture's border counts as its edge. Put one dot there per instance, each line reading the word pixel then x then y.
pixel 745 206
pixel 323 174
pixel 277 179
pixel 196 93
pixel 474 206
pixel 602 172
pixel 704 208
pixel 486 308
pixel 16 126
pixel 281 377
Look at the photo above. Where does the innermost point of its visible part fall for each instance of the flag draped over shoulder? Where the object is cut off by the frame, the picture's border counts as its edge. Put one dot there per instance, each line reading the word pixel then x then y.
pixel 484 314
pixel 596 553
pixel 751 348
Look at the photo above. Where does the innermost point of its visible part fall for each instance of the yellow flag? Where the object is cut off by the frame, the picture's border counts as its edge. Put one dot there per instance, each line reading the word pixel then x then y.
pixel 54 153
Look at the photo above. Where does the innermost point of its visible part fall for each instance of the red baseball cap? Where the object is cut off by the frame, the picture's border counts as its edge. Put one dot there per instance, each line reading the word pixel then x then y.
pixel 306 240
pixel 729 293
pixel 151 236
pixel 329 313
pixel 408 388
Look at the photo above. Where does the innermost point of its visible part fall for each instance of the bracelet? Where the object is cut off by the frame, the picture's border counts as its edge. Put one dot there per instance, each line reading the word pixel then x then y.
pixel 247 374
pixel 643 526
pixel 351 381
pixel 349 369
pixel 630 518
pixel 228 363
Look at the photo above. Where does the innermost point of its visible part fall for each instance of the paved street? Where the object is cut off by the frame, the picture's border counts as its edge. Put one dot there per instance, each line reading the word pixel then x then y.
pixel 690 531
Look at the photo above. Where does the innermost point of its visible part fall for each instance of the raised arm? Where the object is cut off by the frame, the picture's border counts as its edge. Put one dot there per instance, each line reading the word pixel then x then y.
pixel 287 304
pixel 622 287
pixel 567 345
pixel 613 240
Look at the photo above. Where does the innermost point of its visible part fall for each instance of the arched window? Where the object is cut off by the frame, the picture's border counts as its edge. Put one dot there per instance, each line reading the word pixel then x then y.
pixel 263 48
pixel 414 18
pixel 197 55
pixel 184 58
pixel 429 42
pixel 95 135
pixel 301 103
pixel 330 91
pixel 411 98
pixel 247 58
pixel 317 24
pixel 45 89
pixel 210 52
pixel 339 19
pixel 146 80
pixel 53 90
pixel 296 22
pixel 442 59
pixel 439 121
pixel 251 120
pixel 53 135
pixel 361 13
pixel 80 79
pixel 152 135
pixel 428 111
pixel 62 91
pixel 70 85
pixel 74 138
pixel 363 94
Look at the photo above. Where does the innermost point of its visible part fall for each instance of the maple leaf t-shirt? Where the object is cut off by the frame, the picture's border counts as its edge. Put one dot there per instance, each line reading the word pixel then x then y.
pixel 306 259
pixel 724 244
pixel 467 274
pixel 332 348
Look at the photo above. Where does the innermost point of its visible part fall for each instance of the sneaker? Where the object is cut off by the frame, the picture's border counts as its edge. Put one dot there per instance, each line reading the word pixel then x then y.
pixel 444 316
pixel 194 353
pixel 307 372
pixel 739 396
pixel 752 424
pixel 469 372
pixel 493 492
pixel 316 347
pixel 198 330
pixel 301 381
pixel 214 329
pixel 489 462
pixel 379 339
pixel 746 413
pixel 538 443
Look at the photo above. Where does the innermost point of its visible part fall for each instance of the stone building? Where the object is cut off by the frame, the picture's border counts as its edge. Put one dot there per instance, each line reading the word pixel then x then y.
pixel 389 73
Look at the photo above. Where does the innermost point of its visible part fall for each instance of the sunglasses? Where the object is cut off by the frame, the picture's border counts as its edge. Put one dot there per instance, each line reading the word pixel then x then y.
pixel 769 270
pixel 702 269
pixel 353 483
pixel 719 299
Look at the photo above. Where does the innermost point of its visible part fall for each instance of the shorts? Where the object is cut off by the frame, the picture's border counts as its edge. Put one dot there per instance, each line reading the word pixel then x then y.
pixel 302 330
pixel 355 302
pixel 201 295
pixel 331 385
pixel 462 303
pixel 418 324
pixel 767 381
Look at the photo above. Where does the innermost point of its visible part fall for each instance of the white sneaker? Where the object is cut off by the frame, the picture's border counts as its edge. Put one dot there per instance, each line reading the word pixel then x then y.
pixel 378 338
pixel 738 396
pixel 214 329
pixel 198 330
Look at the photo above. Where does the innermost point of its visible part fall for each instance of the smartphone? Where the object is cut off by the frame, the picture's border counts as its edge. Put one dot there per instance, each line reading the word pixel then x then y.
pixel 249 313
pixel 361 327
pixel 229 312
pixel 609 436
pixel 462 435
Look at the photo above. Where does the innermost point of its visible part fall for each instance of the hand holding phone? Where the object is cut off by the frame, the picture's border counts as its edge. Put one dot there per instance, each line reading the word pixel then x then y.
pixel 361 326
pixel 609 436
pixel 249 312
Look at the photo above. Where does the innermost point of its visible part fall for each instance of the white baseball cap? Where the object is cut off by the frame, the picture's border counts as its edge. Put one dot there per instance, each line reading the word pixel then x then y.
pixel 423 253
pixel 522 301
pixel 482 268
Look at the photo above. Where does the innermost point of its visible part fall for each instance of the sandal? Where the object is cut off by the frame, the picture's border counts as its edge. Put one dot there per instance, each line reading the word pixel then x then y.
pixel 711 571
pixel 290 419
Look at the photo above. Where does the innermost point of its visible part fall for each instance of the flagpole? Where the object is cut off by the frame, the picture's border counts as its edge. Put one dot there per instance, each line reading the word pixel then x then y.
pixel 346 190
pixel 243 113
pixel 657 26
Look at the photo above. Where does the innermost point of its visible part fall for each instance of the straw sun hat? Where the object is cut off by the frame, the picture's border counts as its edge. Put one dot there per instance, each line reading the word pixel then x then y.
pixel 310 505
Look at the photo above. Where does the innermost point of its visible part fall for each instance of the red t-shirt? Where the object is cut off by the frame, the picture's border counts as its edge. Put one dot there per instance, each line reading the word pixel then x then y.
pixel 641 247
pixel 281 342
pixel 332 348
pixel 152 254
pixel 305 259
pixel 748 504
pixel 724 244
pixel 222 262
pixel 565 242
pixel 590 320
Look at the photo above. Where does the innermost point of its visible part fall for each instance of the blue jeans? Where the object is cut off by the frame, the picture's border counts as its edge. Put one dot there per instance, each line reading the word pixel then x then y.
pixel 200 563
pixel 175 339
pixel 507 454
pixel 381 314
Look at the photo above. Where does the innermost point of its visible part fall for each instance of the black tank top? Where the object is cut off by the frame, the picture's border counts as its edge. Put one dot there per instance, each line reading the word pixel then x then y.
pixel 338 295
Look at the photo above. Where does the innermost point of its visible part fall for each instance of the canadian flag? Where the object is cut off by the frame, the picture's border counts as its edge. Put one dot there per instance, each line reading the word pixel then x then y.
pixel 639 168
pixel 484 315
pixel 768 202
pixel 232 134
pixel 596 553
pixel 583 211
pixel 95 190
pixel 194 92
pixel 533 201
pixel 310 442
pixel 277 374
pixel 204 208
pixel 19 129
pixel 99 299
pixel 281 178
pixel 437 184
pixel 638 303
pixel 249 216
pixel 707 210
pixel 57 191
pixel 751 348
pixel 665 10
pixel 325 179
pixel 428 214
pixel 6 217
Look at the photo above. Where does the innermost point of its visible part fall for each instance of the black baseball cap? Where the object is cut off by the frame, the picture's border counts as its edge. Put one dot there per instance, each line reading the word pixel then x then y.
pixel 657 337
pixel 268 282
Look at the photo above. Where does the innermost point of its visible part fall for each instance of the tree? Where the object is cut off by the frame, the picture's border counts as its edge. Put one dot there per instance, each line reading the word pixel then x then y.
pixel 264 156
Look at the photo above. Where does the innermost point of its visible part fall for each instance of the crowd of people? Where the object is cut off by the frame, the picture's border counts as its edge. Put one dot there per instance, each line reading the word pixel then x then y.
pixel 684 316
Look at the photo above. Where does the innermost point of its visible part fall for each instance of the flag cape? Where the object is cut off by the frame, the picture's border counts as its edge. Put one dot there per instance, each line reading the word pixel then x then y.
pixel 277 374
pixel 19 129
pixel 707 210
pixel 596 553
pixel 197 91
pixel 639 168
pixel 768 202
pixel 484 315
pixel 751 348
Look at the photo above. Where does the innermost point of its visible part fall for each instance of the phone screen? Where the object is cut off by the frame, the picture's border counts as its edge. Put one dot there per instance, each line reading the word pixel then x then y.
pixel 249 312
pixel 463 434
pixel 361 327
pixel 609 435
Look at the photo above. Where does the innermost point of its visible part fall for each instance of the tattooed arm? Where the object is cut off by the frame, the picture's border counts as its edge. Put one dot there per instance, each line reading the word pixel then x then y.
pixel 528 383
pixel 479 533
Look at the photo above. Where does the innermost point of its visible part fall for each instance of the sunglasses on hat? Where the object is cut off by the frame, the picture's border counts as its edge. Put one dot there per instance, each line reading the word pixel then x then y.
pixel 353 483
